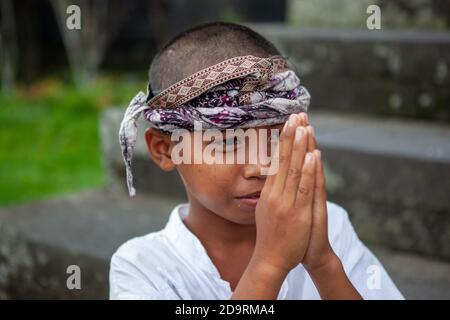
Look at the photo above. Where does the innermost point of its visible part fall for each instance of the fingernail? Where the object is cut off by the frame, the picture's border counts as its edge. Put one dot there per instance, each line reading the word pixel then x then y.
pixel 298 134
pixel 319 154
pixel 309 157
pixel 285 126
pixel 306 118
pixel 311 130
pixel 291 120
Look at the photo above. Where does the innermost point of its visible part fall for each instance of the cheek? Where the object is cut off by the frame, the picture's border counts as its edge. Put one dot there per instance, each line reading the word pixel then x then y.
pixel 209 181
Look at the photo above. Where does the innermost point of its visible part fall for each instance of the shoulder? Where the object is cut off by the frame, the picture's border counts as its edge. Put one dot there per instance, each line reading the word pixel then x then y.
pixel 137 251
pixel 341 233
pixel 357 260
pixel 336 212
pixel 338 219
pixel 135 268
pixel 150 248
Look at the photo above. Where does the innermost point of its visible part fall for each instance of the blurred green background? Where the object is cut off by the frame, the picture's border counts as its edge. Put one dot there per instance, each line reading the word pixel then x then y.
pixel 49 135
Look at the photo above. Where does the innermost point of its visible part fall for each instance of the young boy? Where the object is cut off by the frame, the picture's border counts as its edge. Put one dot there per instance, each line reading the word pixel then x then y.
pixel 247 232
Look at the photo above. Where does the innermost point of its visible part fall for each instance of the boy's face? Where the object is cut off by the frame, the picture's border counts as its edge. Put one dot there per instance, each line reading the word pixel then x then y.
pixel 230 190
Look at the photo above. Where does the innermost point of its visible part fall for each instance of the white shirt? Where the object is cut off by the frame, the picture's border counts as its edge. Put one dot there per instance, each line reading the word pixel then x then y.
pixel 173 264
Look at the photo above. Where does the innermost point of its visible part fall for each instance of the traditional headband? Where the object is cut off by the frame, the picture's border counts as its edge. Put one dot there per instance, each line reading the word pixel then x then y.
pixel 240 92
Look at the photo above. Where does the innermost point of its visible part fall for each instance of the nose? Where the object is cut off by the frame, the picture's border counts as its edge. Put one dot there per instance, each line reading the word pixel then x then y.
pixel 254 171
pixel 259 158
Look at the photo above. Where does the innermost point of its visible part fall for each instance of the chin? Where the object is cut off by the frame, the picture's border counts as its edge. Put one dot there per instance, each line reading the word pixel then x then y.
pixel 243 216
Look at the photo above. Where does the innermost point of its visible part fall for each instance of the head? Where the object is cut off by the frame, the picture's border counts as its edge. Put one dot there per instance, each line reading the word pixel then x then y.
pixel 214 187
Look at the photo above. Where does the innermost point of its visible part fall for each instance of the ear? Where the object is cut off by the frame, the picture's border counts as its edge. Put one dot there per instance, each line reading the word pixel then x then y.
pixel 159 147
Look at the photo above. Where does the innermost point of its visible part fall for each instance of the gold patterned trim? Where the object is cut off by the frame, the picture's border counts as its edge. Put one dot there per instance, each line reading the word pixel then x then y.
pixel 205 79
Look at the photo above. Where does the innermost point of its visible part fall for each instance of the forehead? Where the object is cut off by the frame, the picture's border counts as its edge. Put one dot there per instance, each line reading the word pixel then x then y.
pixel 266 128
pixel 273 126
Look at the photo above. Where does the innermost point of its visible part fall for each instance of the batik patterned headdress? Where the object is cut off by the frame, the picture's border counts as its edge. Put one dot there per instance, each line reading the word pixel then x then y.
pixel 241 92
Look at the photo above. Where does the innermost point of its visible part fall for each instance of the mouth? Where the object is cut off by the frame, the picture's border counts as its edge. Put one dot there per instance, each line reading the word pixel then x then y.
pixel 250 199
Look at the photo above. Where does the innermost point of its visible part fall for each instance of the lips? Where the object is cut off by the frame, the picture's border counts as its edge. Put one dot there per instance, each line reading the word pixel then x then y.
pixel 250 199
pixel 251 195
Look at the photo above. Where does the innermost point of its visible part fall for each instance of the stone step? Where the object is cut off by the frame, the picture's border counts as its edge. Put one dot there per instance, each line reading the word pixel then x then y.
pixel 39 240
pixel 393 176
pixel 394 72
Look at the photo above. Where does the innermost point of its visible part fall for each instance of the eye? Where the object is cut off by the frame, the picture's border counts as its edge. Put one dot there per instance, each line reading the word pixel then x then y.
pixel 274 136
pixel 231 141
pixel 229 144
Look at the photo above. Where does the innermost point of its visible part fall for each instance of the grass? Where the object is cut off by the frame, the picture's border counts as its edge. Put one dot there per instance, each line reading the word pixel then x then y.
pixel 49 137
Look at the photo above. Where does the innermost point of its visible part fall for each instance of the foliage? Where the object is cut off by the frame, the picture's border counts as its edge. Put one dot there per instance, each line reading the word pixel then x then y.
pixel 49 136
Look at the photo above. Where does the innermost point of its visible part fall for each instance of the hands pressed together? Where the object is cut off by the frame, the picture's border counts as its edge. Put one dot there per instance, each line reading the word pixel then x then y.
pixel 291 222
pixel 291 215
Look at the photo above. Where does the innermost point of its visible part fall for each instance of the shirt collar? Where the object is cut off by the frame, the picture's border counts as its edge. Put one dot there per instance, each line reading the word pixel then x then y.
pixel 187 243
pixel 190 247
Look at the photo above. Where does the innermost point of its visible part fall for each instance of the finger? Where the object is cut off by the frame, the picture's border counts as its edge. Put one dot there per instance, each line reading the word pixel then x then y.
pixel 304 118
pixel 320 194
pixel 285 150
pixel 275 163
pixel 312 145
pixel 305 189
pixel 295 166
pixel 271 172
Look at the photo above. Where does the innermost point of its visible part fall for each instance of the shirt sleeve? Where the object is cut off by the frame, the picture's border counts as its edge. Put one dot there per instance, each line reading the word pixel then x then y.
pixel 364 270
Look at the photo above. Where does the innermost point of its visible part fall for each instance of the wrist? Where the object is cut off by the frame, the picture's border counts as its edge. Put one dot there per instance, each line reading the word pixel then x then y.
pixel 332 282
pixel 261 280
pixel 328 267
pixel 268 268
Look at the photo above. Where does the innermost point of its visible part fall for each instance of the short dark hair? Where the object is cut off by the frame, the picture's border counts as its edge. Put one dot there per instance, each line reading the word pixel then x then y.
pixel 203 46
